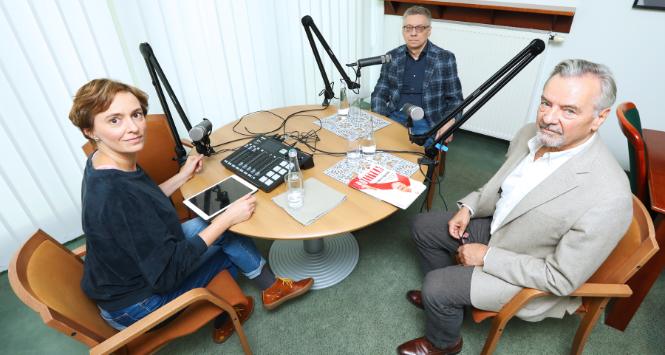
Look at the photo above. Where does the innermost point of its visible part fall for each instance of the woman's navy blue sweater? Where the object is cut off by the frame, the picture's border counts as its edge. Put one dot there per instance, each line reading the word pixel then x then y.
pixel 134 241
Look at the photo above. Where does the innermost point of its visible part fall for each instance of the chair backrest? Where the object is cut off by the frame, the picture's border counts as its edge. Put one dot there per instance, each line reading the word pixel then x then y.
pixel 158 157
pixel 629 120
pixel 46 276
pixel 632 252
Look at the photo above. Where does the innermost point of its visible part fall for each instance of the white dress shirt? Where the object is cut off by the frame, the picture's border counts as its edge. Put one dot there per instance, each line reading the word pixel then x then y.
pixel 527 175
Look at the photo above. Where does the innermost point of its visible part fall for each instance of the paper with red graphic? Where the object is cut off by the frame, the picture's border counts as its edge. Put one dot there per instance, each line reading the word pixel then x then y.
pixel 388 185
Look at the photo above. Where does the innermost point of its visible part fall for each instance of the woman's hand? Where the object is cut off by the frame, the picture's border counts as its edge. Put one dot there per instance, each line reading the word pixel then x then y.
pixel 192 166
pixel 239 211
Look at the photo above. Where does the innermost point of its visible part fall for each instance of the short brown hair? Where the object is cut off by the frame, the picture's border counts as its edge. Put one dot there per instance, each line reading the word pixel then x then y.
pixel 96 96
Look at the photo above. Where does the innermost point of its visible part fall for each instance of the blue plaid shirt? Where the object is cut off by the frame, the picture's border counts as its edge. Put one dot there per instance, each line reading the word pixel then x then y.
pixel 442 91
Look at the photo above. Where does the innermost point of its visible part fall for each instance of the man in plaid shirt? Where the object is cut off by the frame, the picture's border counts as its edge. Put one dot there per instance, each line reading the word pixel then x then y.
pixel 420 73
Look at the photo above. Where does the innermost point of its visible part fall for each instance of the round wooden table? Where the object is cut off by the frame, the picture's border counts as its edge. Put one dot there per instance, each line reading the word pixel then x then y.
pixel 325 249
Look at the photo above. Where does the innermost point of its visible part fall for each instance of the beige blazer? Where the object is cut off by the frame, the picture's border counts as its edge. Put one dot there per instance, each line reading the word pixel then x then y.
pixel 557 236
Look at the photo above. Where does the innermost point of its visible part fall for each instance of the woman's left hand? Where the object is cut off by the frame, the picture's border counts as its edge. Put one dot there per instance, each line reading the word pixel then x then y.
pixel 192 166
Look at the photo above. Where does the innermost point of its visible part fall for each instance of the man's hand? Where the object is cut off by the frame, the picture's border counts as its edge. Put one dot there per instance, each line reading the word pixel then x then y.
pixel 472 254
pixel 443 130
pixel 457 224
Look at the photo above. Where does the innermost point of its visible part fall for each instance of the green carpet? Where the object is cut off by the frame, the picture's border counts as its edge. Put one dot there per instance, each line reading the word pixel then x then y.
pixel 367 312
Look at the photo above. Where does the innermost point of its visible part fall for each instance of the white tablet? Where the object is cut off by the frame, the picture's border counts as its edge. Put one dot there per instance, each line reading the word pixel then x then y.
pixel 216 198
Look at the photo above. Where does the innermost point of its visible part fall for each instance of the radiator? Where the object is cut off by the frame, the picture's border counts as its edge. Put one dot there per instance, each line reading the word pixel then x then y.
pixel 480 51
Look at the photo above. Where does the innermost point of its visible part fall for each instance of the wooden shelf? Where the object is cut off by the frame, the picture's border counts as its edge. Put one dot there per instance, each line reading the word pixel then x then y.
pixel 539 17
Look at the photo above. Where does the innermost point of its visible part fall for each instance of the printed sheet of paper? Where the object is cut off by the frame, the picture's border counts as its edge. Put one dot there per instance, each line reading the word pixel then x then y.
pixel 344 172
pixel 351 127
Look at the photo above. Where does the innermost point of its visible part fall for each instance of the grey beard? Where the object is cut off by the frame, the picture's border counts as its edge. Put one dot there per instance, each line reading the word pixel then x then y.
pixel 549 141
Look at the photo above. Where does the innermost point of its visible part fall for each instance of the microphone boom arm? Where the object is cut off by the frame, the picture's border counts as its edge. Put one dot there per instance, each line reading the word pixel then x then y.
pixel 501 78
pixel 328 94
pixel 156 73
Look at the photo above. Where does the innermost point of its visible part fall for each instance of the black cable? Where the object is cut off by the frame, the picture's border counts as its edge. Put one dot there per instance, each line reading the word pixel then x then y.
pixel 421 154
pixel 254 134
pixel 309 139
pixel 231 141
pixel 426 182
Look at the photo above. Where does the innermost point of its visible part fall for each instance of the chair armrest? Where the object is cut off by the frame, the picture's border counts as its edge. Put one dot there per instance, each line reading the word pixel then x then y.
pixel 518 301
pixel 142 326
pixel 603 290
pixel 187 143
pixel 80 251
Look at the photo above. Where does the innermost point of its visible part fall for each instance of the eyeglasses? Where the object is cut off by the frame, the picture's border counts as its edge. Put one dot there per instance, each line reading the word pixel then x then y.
pixel 419 29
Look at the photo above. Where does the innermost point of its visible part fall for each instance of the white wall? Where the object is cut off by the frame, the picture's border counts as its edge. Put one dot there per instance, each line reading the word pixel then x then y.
pixel 223 58
pixel 631 42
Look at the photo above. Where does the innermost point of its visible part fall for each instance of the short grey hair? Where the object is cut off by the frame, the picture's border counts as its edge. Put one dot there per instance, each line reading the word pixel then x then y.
pixel 581 67
pixel 418 10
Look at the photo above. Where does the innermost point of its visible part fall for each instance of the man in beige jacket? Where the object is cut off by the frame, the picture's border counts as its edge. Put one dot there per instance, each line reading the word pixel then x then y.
pixel 547 219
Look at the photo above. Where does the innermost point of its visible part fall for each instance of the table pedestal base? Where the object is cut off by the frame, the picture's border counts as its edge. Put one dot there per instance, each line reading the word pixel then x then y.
pixel 328 260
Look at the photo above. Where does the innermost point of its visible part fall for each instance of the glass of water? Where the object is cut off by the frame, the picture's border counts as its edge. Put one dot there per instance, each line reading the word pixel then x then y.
pixel 367 142
pixel 353 151
pixel 343 106
pixel 295 190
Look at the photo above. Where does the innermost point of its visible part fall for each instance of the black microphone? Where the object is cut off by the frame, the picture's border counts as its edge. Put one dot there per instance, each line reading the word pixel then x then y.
pixel 537 46
pixel 307 20
pixel 416 113
pixel 145 49
pixel 200 131
pixel 365 62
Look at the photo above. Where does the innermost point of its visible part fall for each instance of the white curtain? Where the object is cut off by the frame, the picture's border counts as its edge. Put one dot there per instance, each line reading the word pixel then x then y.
pixel 223 59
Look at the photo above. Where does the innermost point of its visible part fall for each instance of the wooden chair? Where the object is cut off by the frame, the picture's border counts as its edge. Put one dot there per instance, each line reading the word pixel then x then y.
pixel 629 120
pixel 158 158
pixel 633 251
pixel 46 276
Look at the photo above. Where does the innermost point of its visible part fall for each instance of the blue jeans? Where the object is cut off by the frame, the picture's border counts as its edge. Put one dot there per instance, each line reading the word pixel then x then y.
pixel 419 127
pixel 230 252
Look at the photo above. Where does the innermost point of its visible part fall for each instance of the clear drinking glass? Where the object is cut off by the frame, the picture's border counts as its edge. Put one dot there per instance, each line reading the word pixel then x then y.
pixel 296 191
pixel 353 151
pixel 367 142
pixel 343 108
pixel 354 113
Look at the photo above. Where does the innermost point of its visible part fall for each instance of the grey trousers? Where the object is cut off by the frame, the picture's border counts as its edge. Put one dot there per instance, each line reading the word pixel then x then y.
pixel 447 285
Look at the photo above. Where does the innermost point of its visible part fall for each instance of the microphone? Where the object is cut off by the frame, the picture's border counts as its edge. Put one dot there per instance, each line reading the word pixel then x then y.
pixel 307 20
pixel 365 62
pixel 416 113
pixel 536 46
pixel 200 131
pixel 200 136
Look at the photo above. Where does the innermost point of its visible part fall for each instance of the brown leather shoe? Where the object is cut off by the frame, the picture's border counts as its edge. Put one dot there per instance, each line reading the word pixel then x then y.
pixel 415 297
pixel 223 333
pixel 283 290
pixel 422 346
